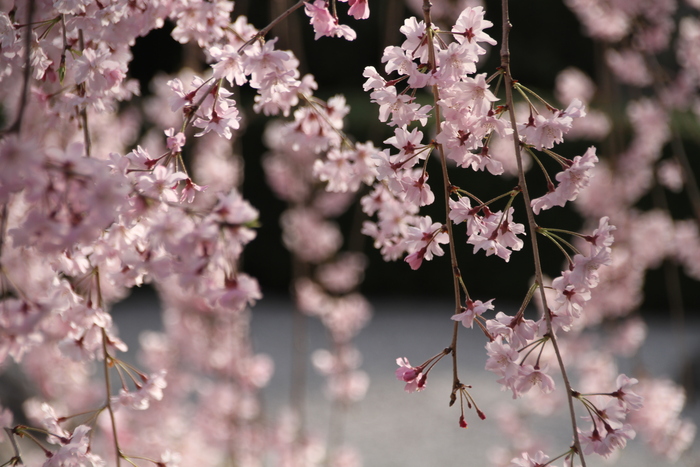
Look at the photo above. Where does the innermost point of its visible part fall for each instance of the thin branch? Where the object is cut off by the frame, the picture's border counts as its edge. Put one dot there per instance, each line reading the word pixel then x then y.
pixel 267 28
pixel 17 126
pixel 3 228
pixel 66 47
pixel 689 179
pixel 456 274
pixel 107 357
pixel 113 421
pixel 17 458
pixel 83 112
pixel 532 225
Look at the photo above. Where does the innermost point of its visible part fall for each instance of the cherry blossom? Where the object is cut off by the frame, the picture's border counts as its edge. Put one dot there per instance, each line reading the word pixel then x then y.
pixel 503 361
pixel 627 398
pixel 151 388
pixel 605 444
pixel 498 235
pixel 324 23
pixel 416 39
pixel 412 376
pixel 471 310
pixel 358 8
pixel 229 64
pixel 527 460
pixel 571 181
pixel 424 241
pixel 530 376
pixel 94 201
pixel 75 452
pixel 470 27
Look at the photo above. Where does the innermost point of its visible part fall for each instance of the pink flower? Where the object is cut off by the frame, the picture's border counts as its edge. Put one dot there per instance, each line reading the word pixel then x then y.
pixel 627 398
pixel 516 329
pixel 309 235
pixel 189 191
pixel 412 376
pixel 530 376
pixel 571 181
pixel 416 189
pixel 462 422
pixel 75 453
pixel 415 34
pixel 407 143
pixel 359 9
pixel 502 361
pixel 224 118
pixel 456 62
pixel 526 460
pixel 572 83
pixel 401 107
pixel 569 300
pixel 602 236
pixel 181 98
pixel 238 292
pixel 175 141
pixel 477 308
pixel 542 132
pixel 263 61
pixel 374 79
pixel 415 259
pixel 426 236
pixel 615 438
pixel 498 235
pixel 229 64
pixel 161 184
pixel 470 27
pixel 151 389
pixel 324 23
pixel 584 274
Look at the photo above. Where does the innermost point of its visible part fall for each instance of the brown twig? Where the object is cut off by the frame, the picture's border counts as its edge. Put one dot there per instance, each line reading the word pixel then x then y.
pixel 83 111
pixel 17 125
pixel 17 458
pixel 106 358
pixel 532 225
pixel 267 28
pixel 446 182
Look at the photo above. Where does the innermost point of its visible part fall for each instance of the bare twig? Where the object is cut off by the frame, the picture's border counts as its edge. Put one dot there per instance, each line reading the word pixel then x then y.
pixel 17 458
pixel 267 28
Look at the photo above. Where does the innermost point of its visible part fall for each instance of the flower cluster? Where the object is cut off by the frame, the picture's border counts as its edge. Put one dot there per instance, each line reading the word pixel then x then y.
pixel 101 193
pixel 302 151
pixel 89 211
pixel 469 120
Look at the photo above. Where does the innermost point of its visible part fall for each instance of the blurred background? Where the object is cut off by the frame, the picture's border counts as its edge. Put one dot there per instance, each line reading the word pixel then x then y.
pixel 392 428
pixel 412 308
pixel 538 55
pixel 543 43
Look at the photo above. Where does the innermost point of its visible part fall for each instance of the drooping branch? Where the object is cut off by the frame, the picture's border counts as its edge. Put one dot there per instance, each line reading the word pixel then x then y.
pixel 447 187
pixel 532 225
pixel 17 125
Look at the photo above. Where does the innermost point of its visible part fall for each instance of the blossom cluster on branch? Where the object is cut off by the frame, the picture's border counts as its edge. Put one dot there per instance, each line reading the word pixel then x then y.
pixel 101 192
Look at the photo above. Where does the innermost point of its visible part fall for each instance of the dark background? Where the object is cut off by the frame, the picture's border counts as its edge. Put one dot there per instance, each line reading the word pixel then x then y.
pixel 545 39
